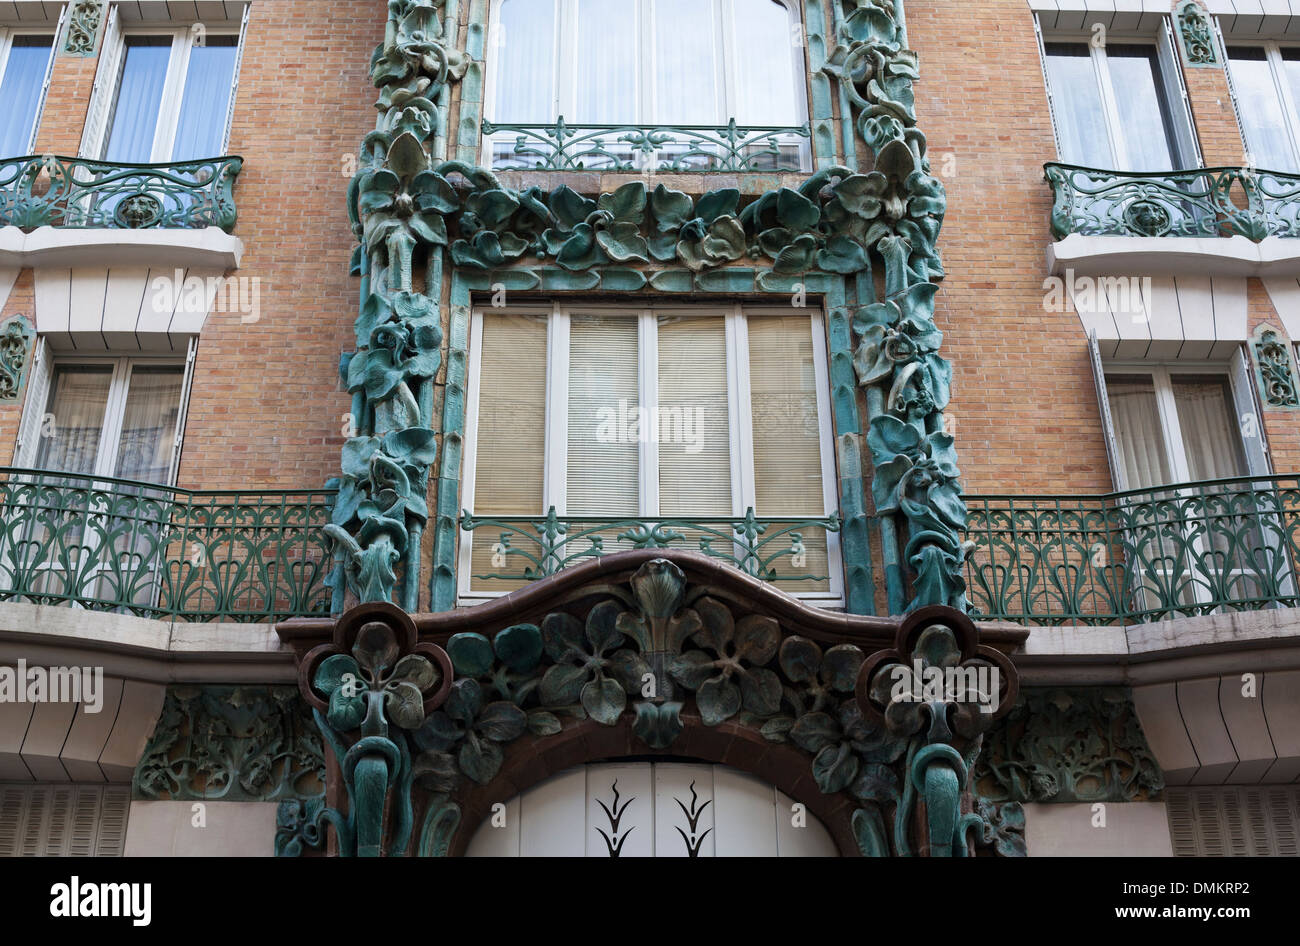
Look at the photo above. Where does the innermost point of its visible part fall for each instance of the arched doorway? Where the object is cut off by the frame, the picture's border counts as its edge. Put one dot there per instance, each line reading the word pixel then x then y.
pixel 652 809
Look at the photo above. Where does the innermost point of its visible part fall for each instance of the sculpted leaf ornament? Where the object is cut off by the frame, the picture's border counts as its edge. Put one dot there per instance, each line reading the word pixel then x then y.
pixel 355 685
pixel 479 729
pixel 590 665
pixel 729 672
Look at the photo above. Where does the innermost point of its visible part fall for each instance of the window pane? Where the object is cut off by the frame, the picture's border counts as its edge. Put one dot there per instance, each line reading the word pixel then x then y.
pixel 1139 436
pixel 205 105
pixel 685 68
pixel 139 95
pixel 694 423
pixel 1076 97
pixel 510 455
pixel 153 405
pixel 1261 109
pixel 604 436
pixel 524 47
pixel 20 91
pixel 1143 107
pixel 787 441
pixel 765 67
pixel 1211 436
pixel 607 63
pixel 78 397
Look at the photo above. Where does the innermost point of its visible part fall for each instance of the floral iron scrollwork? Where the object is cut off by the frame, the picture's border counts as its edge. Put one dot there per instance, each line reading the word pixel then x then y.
pixel 939 690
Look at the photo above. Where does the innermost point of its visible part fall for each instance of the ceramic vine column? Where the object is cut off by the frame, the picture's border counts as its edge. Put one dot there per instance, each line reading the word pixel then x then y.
pixel 908 383
pixel 396 202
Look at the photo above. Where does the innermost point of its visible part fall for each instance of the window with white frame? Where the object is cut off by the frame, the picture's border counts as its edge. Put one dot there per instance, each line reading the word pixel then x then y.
pixel 1174 424
pixel 1118 104
pixel 646 62
pixel 683 413
pixel 115 417
pixel 25 59
pixel 1266 84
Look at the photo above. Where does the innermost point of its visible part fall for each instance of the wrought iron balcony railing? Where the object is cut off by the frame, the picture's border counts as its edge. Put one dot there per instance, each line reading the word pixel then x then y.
pixel 1137 556
pixel 49 190
pixel 117 545
pixel 674 148
pixel 1206 202
pixel 525 548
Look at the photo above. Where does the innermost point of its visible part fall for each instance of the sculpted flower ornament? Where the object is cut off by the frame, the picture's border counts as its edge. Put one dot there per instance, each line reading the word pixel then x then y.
pixel 729 672
pixel 480 730
pixel 590 667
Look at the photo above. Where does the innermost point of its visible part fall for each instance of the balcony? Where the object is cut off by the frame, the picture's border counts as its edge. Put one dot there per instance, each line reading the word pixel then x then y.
pixel 40 191
pixel 103 544
pixel 1206 202
pixel 783 551
pixel 647 148
pixel 1137 556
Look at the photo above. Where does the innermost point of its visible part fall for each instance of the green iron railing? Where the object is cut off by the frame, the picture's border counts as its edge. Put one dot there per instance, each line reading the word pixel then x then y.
pixel 55 191
pixel 1206 202
pixel 775 550
pixel 674 148
pixel 117 545
pixel 1136 556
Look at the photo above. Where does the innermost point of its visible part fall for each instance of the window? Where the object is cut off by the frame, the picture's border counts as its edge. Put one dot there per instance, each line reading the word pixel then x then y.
pixel 646 62
pixel 112 417
pixel 1266 84
pixel 24 69
pixel 1174 426
pixel 171 98
pixel 1113 105
pixel 682 413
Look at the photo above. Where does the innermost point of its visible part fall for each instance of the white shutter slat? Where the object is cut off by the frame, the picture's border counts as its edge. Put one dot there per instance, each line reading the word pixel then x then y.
pixel 1103 401
pixel 63 820
pixel 187 383
pixel 115 804
pixel 45 83
pixel 1249 414
pixel 38 394
pixel 105 87
pixel 234 79
pixel 1256 821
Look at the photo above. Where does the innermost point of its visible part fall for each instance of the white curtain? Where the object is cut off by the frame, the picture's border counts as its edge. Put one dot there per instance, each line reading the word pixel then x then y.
pixel 1260 108
pixel 1076 101
pixel 139 94
pixel 144 451
pixel 206 101
pixel 20 91
pixel 608 63
pixel 694 425
pixel 1138 433
pixel 1142 106
pixel 604 398
pixel 685 63
pixel 1211 436
pixel 524 48
pixel 765 64
pixel 70 442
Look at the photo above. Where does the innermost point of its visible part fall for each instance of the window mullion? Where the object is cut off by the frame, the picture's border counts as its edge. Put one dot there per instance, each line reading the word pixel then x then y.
pixel 647 105
pixel 725 43
pixel 1167 407
pixel 555 474
pixel 114 409
pixel 648 393
pixel 740 405
pixel 566 91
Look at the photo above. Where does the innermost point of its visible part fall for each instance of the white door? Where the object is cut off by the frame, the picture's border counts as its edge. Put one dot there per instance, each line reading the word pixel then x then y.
pixel 652 809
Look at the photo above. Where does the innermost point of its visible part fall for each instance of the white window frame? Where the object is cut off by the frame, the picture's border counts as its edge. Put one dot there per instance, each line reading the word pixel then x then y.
pixel 739 399
pixel 1277 71
pixel 1186 143
pixel 7 36
pixel 564 83
pixel 169 105
pixel 110 436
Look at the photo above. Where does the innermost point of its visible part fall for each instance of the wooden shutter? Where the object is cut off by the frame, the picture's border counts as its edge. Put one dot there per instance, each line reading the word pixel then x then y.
pixel 38 395
pixel 234 79
pixel 105 88
pixel 1103 402
pixel 63 820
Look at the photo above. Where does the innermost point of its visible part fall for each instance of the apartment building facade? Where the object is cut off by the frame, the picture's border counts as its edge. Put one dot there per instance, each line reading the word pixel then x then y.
pixel 512 427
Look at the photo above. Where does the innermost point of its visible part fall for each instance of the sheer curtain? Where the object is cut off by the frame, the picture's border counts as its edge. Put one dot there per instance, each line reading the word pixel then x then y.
pixel 1076 99
pixel 787 437
pixel 1138 433
pixel 153 399
pixel 78 397
pixel 765 64
pixel 139 94
pixel 608 62
pixel 510 451
pixel 685 64
pixel 1260 108
pixel 524 48
pixel 20 91
pixel 1143 107
pixel 1211 436
pixel 694 423
pixel 205 104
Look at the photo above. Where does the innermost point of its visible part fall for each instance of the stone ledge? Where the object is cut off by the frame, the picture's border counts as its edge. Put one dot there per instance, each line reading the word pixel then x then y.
pixel 1176 256
pixel 209 248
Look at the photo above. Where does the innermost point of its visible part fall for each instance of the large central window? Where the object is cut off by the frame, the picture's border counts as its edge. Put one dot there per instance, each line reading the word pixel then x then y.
pixel 682 413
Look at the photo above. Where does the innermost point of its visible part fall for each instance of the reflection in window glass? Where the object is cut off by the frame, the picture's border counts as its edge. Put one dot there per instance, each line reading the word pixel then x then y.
pixel 1143 109
pixel 206 102
pixel 139 97
pixel 1262 117
pixel 144 451
pixel 1076 96
pixel 20 92
pixel 78 397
